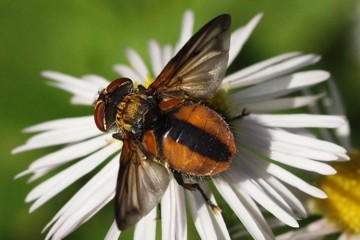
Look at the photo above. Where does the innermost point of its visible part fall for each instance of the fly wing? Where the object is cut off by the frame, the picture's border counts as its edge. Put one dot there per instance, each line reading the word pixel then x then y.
pixel 199 67
pixel 140 186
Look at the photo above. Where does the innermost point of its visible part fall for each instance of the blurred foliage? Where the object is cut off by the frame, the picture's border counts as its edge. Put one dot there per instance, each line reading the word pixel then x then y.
pixel 81 37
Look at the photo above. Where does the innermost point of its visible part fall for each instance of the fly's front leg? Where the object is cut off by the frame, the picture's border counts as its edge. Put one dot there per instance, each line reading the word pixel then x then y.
pixel 194 186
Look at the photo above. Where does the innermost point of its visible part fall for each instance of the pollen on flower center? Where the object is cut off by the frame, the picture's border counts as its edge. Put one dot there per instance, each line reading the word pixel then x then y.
pixel 343 204
pixel 149 80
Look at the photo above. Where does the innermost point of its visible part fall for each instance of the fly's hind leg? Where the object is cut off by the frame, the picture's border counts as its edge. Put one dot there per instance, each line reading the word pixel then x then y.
pixel 193 187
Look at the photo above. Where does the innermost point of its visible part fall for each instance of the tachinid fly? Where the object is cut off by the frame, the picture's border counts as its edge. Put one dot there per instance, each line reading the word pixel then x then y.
pixel 166 129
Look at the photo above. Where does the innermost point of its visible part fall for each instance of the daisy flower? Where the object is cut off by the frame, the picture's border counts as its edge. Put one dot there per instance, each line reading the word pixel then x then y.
pixel 341 210
pixel 268 145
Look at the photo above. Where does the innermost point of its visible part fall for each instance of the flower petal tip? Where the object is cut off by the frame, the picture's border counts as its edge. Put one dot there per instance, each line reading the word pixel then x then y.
pixel 19 149
pixel 329 171
pixel 45 73
pixel 321 195
pixel 321 74
pixel 129 51
pixel 344 158
pixel 23 173
pixel 115 67
pixel 32 209
pixel 15 151
pixel 49 74
pixel 188 14
pixel 293 224
pixel 258 17
pixel 30 197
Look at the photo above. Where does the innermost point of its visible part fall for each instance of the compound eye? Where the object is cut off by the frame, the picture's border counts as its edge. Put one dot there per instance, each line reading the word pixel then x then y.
pixel 99 116
pixel 115 84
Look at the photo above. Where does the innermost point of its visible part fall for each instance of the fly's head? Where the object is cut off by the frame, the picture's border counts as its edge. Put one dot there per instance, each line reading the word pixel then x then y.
pixel 106 106
pixel 125 110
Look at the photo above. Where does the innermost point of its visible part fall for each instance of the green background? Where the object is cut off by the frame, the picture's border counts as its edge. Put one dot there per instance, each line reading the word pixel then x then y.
pixel 80 37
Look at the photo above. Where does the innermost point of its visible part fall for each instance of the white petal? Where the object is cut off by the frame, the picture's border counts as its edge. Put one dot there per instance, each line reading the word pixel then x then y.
pixel 84 96
pixel 186 30
pixel 95 79
pixel 264 142
pixel 302 163
pixel 278 104
pixel 194 206
pixel 62 180
pixel 61 124
pixel 57 137
pixel 274 71
pixel 285 176
pixel 88 97
pixel 113 233
pixel 325 134
pixel 313 231
pixel 240 36
pixel 337 108
pixel 343 134
pixel 70 153
pixel 84 90
pixel 86 202
pixel 275 188
pixel 173 213
pixel 167 54
pixel 80 216
pixel 286 194
pixel 259 178
pixel 146 227
pixel 259 66
pixel 289 178
pixel 298 151
pixel 241 210
pixel 298 120
pixel 280 86
pixel 155 56
pixel 241 178
pixel 348 236
pixel 201 214
pixel 71 81
pixel 36 174
pixel 81 100
pixel 125 71
pixel 306 142
pixel 138 65
pixel 217 219
pixel 288 157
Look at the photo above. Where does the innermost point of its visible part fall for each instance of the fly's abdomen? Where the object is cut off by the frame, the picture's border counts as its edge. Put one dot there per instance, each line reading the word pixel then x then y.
pixel 198 141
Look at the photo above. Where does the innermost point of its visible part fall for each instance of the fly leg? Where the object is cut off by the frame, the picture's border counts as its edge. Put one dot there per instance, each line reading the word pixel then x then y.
pixel 193 187
pixel 243 113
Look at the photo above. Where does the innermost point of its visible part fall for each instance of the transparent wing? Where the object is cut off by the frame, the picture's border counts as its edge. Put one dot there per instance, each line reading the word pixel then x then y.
pixel 199 67
pixel 140 186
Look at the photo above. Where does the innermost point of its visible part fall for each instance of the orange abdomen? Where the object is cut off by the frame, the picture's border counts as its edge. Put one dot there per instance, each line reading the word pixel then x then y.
pixel 196 140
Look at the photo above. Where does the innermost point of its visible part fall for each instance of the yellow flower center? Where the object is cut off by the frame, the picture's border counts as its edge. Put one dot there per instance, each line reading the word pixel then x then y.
pixel 149 81
pixel 343 203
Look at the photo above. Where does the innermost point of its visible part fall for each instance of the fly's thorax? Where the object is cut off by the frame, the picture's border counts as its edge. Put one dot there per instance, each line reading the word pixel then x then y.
pixel 136 113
